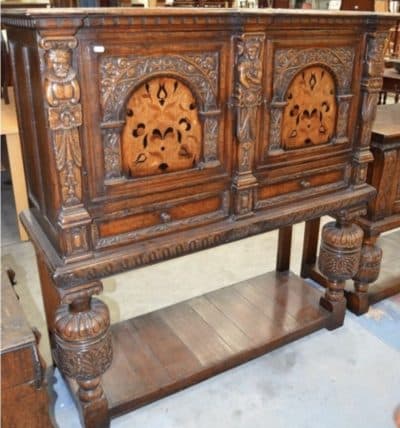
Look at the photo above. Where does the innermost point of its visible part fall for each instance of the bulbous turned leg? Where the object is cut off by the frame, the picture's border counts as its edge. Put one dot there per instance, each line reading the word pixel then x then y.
pixel 338 260
pixel 368 272
pixel 83 348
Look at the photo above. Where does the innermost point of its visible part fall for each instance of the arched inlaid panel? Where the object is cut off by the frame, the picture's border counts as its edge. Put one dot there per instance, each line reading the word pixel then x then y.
pixel 309 117
pixel 162 132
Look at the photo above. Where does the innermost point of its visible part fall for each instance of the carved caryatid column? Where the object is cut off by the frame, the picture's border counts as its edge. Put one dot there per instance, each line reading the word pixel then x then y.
pixel 248 97
pixel 83 348
pixel 62 94
pixel 371 84
pixel 339 261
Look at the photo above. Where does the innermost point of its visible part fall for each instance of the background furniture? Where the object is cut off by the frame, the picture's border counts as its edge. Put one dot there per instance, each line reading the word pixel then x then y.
pixel 391 85
pixel 24 399
pixel 383 215
pixel 164 132
pixel 9 128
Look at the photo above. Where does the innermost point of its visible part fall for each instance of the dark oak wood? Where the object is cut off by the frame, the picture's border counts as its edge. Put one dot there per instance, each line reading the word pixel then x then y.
pixel 24 398
pixel 284 247
pixel 150 134
pixel 174 347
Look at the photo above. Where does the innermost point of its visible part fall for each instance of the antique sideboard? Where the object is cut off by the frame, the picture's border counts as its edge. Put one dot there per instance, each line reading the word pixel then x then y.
pixel 150 134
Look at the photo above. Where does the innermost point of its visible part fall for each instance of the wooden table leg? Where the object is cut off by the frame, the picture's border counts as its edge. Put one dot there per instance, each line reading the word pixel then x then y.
pixel 310 246
pixel 18 179
pixel 83 348
pixel 339 260
pixel 284 249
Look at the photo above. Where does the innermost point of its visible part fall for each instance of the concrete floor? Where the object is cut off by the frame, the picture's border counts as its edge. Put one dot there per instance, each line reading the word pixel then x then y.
pixel 349 377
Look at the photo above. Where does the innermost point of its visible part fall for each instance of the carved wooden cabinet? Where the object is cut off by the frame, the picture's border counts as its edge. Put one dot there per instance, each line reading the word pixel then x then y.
pixel 149 134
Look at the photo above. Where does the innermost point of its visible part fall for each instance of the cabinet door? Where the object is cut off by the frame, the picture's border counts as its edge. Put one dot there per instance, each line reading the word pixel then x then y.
pixel 306 142
pixel 157 152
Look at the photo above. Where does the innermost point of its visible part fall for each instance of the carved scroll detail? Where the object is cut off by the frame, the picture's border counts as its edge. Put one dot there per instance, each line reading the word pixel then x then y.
pixel 288 62
pixel 310 114
pixel 162 131
pixel 64 114
pixel 121 75
pixel 112 152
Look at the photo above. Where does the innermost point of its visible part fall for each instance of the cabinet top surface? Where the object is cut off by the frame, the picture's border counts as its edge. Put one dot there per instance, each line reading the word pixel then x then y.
pixel 103 11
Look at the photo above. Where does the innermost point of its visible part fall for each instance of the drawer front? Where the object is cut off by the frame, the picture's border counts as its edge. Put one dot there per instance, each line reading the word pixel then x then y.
pixel 159 219
pixel 288 189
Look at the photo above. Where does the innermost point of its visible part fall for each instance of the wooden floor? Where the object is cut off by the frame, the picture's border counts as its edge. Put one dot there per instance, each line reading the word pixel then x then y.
pixel 167 350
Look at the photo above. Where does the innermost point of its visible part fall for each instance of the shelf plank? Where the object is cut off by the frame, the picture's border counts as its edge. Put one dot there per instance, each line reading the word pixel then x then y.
pixel 167 350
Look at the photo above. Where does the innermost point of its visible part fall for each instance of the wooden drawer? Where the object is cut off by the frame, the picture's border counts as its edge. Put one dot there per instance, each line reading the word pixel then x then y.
pixel 161 218
pixel 279 190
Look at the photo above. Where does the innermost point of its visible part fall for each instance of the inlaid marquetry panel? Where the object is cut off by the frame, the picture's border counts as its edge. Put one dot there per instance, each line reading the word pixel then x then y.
pixel 310 114
pixel 162 132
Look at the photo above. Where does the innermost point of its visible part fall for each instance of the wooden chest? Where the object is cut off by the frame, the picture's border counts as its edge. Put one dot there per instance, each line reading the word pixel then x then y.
pixel 24 399
pixel 149 134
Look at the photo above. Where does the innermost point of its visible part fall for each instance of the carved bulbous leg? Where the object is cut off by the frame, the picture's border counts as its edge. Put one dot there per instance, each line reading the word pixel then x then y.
pixel 368 272
pixel 339 260
pixel 84 350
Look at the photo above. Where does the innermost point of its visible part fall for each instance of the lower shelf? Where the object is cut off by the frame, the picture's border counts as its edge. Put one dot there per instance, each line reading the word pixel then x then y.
pixel 167 350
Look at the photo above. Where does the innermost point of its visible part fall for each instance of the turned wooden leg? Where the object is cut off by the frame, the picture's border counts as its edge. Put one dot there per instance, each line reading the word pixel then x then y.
pixel 368 272
pixel 339 260
pixel 284 249
pixel 84 350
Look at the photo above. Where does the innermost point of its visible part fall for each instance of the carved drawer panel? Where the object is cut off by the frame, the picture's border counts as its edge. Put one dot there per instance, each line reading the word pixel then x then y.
pixel 279 190
pixel 158 219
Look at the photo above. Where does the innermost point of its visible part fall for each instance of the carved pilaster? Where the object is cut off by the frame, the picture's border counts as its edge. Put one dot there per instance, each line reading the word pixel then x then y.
pixel 339 260
pixel 371 84
pixel 248 97
pixel 62 94
pixel 83 345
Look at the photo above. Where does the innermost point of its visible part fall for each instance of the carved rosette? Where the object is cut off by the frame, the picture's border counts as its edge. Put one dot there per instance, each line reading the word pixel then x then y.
pixel 288 64
pixel 371 85
pixel 370 266
pixel 339 256
pixel 120 76
pixel 248 98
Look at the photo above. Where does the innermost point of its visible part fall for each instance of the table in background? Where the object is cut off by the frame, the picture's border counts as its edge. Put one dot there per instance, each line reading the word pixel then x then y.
pixel 9 128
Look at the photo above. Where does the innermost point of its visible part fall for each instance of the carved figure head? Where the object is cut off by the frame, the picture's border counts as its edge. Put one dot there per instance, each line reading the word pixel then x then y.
pixel 252 49
pixel 59 62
